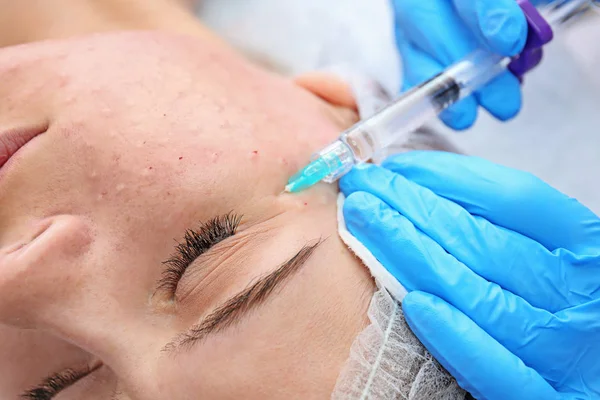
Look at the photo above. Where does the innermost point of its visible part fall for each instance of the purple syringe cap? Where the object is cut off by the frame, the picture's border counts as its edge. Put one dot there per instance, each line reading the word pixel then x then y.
pixel 539 33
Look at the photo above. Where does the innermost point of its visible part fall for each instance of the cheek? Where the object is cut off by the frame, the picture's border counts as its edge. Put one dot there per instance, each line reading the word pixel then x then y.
pixel 76 169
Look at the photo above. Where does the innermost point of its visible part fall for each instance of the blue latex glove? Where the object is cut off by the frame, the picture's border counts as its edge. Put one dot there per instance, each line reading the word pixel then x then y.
pixel 503 270
pixel 433 34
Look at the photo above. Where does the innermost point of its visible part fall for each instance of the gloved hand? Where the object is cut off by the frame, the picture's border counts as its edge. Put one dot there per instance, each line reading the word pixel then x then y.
pixel 503 271
pixel 433 34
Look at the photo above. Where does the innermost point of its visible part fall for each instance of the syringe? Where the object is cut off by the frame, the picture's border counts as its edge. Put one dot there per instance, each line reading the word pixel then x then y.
pixel 419 105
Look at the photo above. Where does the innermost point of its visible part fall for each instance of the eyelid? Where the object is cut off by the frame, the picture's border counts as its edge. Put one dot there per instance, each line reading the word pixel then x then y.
pixel 206 274
pixel 195 243
pixel 237 306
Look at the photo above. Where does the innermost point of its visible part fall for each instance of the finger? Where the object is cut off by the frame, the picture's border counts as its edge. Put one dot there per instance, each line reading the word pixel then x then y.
pixel 448 32
pixel 480 364
pixel 434 27
pixel 500 24
pixel 513 261
pixel 506 197
pixel 461 115
pixel 501 97
pixel 419 263
pixel 420 67
pixel 371 221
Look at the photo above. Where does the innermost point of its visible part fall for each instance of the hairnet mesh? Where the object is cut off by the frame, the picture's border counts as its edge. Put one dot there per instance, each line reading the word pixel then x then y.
pixel 387 361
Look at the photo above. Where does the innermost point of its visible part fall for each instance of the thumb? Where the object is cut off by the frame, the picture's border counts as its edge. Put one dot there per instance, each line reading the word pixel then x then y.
pixel 501 24
pixel 480 364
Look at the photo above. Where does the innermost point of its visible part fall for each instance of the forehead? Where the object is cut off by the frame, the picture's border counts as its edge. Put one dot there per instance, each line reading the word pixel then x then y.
pixel 135 117
pixel 168 91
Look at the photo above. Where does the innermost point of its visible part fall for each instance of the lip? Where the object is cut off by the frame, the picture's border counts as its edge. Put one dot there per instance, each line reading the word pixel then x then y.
pixel 13 140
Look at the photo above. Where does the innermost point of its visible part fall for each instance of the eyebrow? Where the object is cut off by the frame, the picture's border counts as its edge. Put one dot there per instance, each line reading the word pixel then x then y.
pixel 233 310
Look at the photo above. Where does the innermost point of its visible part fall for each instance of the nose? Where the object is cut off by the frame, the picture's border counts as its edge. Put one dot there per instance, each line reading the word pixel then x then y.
pixel 56 281
pixel 41 270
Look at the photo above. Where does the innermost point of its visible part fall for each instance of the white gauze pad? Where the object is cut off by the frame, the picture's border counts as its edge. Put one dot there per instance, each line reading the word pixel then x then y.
pixel 383 278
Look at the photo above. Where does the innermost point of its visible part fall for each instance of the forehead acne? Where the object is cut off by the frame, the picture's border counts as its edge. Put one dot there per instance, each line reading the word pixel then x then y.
pixel 321 195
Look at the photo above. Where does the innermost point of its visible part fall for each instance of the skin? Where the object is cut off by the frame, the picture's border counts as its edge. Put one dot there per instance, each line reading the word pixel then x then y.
pixel 34 20
pixel 171 131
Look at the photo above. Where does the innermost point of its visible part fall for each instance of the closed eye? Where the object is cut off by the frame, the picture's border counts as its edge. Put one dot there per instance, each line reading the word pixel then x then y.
pixel 195 243
pixel 234 309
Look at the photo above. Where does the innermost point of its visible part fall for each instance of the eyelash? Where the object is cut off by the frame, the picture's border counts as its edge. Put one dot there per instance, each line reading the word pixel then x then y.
pixel 55 384
pixel 195 243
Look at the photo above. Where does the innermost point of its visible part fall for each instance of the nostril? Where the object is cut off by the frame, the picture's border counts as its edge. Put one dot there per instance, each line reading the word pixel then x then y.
pixel 36 232
pixel 32 268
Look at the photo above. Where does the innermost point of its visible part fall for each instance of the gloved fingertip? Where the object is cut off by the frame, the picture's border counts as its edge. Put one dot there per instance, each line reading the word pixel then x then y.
pixel 507 116
pixel 415 302
pixel 354 180
pixel 461 116
pixel 505 29
pixel 364 212
pixel 506 113
pixel 502 97
pixel 359 201
pixel 425 313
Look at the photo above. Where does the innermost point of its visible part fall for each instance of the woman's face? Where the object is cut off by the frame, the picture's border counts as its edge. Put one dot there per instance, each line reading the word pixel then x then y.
pixel 141 138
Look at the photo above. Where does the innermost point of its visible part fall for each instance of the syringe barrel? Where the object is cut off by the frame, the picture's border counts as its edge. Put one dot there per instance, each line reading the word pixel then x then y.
pixel 424 102
pixel 404 115
pixel 476 70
